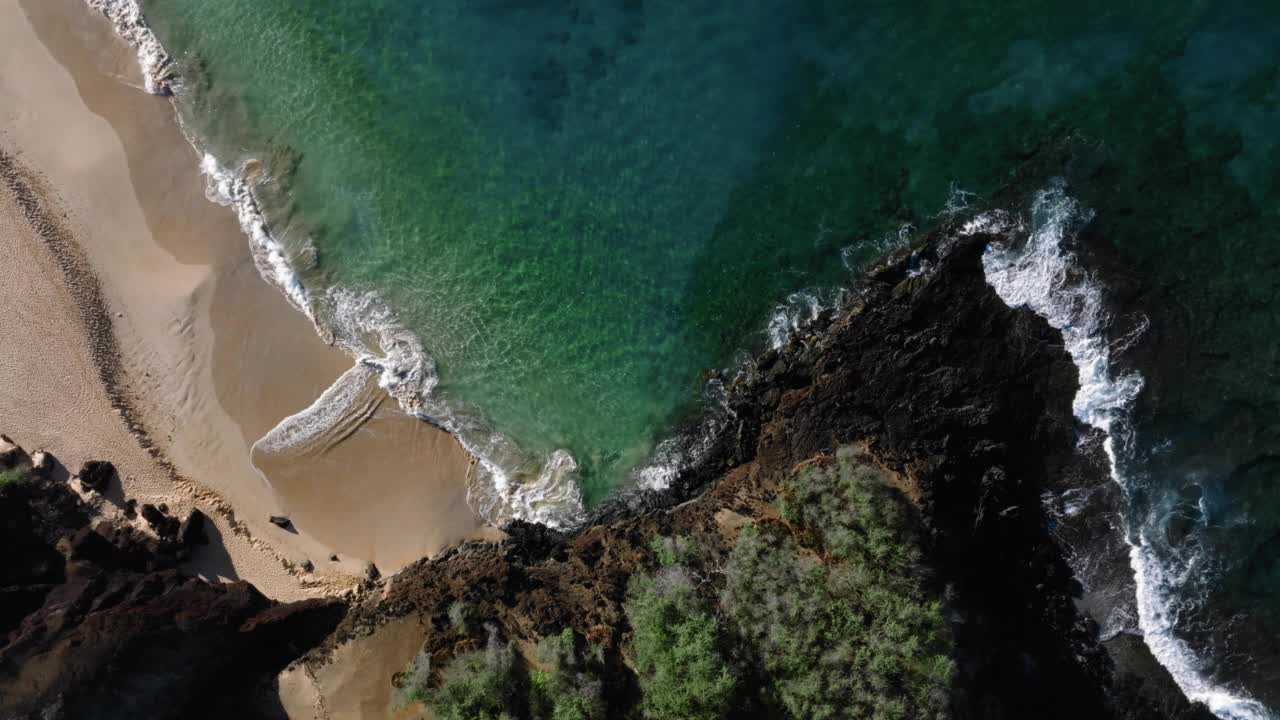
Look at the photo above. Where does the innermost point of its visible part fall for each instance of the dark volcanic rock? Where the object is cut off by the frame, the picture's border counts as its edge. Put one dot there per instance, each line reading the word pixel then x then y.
pixel 191 531
pixel 282 522
pixel 165 526
pixel 42 463
pixel 97 475
pixel 11 455
pixel 99 624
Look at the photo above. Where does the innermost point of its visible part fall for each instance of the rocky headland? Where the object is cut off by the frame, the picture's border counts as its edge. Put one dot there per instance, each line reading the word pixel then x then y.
pixel 926 379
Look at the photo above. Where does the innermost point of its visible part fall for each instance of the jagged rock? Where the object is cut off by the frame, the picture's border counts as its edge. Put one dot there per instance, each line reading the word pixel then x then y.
pixel 115 631
pixel 11 455
pixel 308 566
pixel 371 572
pixel 42 463
pixel 191 531
pixel 164 525
pixel 96 475
pixel 282 522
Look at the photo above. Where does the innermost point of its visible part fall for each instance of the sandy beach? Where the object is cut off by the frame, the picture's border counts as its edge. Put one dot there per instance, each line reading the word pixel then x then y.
pixel 155 281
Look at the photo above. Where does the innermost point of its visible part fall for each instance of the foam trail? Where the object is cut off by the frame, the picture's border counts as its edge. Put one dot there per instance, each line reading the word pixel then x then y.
pixel 230 189
pixel 313 426
pixel 126 16
pixel 356 322
pixel 1044 276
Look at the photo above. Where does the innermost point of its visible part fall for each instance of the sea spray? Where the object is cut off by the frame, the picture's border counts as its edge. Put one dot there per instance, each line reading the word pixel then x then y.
pixel 545 492
pixel 1032 267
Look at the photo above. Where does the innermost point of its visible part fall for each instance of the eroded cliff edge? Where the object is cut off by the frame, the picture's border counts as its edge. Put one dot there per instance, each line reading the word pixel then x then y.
pixel 962 403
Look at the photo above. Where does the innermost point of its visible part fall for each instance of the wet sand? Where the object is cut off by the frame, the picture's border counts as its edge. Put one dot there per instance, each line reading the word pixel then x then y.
pixel 210 357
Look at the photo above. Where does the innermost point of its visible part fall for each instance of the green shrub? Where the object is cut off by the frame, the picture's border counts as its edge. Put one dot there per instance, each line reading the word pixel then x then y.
pixel 854 515
pixel 569 687
pixel 12 476
pixel 415 680
pixel 682 674
pixel 851 632
pixel 675 550
pixel 480 685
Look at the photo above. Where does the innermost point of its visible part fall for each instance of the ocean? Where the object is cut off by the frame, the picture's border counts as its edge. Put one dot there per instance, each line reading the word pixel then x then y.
pixel 549 224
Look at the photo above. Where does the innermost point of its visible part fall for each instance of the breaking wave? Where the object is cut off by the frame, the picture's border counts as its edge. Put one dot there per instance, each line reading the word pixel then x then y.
pixel 1032 266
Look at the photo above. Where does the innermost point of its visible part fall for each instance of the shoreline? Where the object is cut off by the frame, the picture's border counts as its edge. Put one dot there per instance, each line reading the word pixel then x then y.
pixel 502 484
pixel 208 356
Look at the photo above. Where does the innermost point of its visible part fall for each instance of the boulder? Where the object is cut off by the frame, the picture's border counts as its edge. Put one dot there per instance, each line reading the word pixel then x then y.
pixel 372 573
pixel 281 521
pixel 11 455
pixel 191 531
pixel 165 526
pixel 96 475
pixel 42 463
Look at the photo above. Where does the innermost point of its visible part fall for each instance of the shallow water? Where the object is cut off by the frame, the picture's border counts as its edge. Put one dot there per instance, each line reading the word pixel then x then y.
pixel 580 208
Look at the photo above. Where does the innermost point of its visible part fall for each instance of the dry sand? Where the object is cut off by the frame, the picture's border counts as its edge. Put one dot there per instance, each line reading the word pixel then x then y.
pixel 356 684
pixel 208 357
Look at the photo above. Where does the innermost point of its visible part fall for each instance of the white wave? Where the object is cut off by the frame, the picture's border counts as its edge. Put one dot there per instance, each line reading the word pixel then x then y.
pixel 363 326
pixel 229 188
pixel 312 426
pixel 799 309
pixel 126 16
pixel 685 450
pixel 1031 266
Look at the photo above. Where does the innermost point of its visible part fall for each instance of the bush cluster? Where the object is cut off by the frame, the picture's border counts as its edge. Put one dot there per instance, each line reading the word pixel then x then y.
pixel 683 675
pixel 831 617
pixel 569 686
pixel 494 684
pixel 480 685
pixel 12 476
pixel 844 629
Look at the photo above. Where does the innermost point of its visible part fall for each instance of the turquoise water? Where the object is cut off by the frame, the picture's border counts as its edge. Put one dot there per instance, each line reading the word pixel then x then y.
pixel 581 208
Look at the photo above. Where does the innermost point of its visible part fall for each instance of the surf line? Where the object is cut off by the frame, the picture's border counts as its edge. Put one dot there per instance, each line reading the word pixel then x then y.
pixel 1033 268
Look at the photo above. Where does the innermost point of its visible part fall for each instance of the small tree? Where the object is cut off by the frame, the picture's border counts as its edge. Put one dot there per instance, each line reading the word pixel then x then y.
pixel 480 685
pixel 848 631
pixel 683 676
pixel 569 687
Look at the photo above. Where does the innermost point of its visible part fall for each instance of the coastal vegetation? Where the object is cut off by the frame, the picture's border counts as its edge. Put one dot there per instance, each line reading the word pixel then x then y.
pixel 563 682
pixel 12 476
pixel 833 606
pixel 675 640
pixel 824 614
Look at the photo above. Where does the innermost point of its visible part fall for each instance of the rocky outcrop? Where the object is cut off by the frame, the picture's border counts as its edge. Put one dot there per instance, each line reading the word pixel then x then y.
pixel 11 456
pixel 96 621
pixel 968 404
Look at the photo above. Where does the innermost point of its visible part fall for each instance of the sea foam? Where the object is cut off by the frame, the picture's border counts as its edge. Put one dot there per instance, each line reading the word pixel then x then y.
pixel 1033 267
